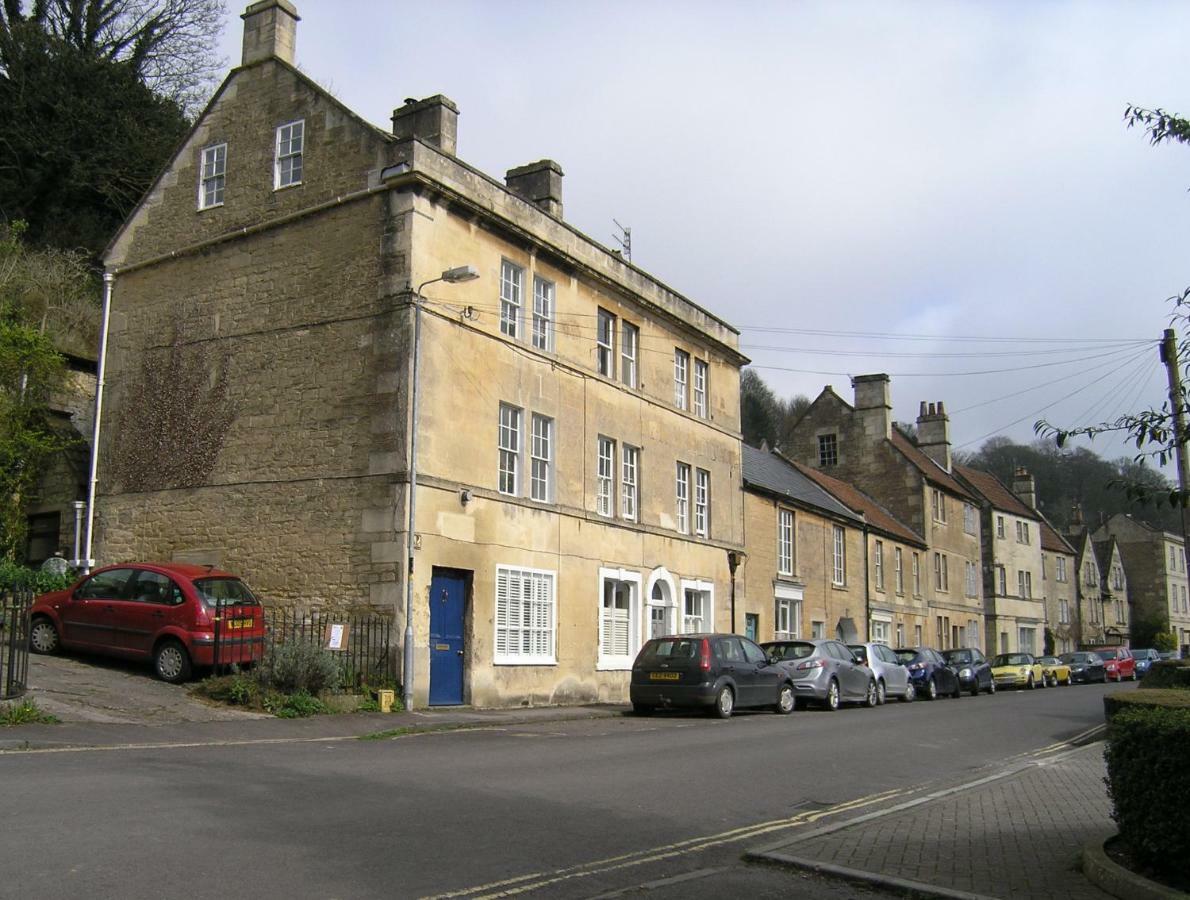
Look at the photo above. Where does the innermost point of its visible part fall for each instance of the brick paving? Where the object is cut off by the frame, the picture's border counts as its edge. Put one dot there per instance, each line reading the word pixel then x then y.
pixel 1017 836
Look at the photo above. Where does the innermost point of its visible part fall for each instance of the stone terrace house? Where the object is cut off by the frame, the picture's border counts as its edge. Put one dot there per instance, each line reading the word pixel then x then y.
pixel 1012 571
pixel 914 480
pixel 578 433
pixel 1113 591
pixel 1059 574
pixel 804 574
pixel 1090 613
pixel 1155 568
pixel 897 612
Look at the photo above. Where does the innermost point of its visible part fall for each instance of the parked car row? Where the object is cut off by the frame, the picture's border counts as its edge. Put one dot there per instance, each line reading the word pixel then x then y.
pixel 725 672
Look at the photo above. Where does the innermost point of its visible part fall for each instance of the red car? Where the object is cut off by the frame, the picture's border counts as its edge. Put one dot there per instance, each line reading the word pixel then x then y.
pixel 1118 663
pixel 175 614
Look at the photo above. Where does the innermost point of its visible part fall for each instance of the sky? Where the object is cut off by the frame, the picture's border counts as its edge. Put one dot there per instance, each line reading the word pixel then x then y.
pixel 945 192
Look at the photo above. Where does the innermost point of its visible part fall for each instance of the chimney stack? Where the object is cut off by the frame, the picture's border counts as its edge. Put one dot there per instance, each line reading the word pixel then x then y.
pixel 434 120
pixel 933 433
pixel 1025 487
pixel 873 404
pixel 540 183
pixel 270 31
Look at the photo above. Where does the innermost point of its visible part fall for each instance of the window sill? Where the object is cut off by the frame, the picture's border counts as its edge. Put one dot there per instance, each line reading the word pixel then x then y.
pixel 604 665
pixel 212 206
pixel 524 662
pixel 285 187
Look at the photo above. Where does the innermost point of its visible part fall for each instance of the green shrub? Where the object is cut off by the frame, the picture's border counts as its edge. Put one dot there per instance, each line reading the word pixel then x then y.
pixel 24 713
pixel 293 706
pixel 238 690
pixel 1148 781
pixel 1147 697
pixel 14 577
pixel 301 666
pixel 1168 673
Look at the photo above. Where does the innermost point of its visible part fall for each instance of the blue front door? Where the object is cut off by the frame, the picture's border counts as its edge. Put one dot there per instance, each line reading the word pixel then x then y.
pixel 448 593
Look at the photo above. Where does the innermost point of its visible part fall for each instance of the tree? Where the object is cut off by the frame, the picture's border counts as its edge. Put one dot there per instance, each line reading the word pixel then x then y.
pixel 1151 431
pixel 81 140
pixel 46 296
pixel 765 417
pixel 169 45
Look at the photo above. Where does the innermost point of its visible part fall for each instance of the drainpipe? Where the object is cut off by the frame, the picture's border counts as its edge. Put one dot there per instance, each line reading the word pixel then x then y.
pixel 733 563
pixel 87 560
pixel 867 590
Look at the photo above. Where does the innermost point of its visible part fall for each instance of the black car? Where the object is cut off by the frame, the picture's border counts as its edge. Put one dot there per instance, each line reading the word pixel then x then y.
pixel 717 671
pixel 931 676
pixel 1085 667
pixel 973 669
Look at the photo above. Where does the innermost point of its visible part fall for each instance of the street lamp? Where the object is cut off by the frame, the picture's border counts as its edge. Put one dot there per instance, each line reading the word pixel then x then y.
pixel 450 276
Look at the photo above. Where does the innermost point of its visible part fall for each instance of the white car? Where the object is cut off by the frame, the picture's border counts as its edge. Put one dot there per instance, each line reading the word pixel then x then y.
pixel 892 678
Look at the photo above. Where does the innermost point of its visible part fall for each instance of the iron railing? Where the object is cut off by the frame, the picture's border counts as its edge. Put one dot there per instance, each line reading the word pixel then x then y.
pixel 362 643
pixel 14 643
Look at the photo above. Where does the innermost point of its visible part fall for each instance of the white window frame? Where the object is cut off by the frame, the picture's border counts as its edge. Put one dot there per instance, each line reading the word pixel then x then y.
pixel 784 541
pixel 899 570
pixel 682 496
pixel 999 526
pixel 512 286
pixel 701 375
pixel 541 459
pixel 618 662
pixel 838 556
pixel 544 294
pixel 881 629
pixel 681 378
pixel 508 442
pixel 630 482
pixel 941 573
pixel 938 505
pixel 969 518
pixel 972 580
pixel 1060 568
pixel 787 611
pixel 605 476
pixel 212 176
pixel 702 502
pixel 1063 611
pixel 535 636
pixel 917 575
pixel 605 343
pixel 284 152
pixel 706 591
pixel 629 351
pixel 878 564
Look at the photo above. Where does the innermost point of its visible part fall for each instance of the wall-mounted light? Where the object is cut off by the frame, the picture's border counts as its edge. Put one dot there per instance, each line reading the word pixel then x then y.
pixel 464 496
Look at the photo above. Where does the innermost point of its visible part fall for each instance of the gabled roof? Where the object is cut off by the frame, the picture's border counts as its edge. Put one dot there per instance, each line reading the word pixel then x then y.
pixel 774 474
pixel 1103 552
pixel 1054 542
pixel 876 515
pixel 929 469
pixel 992 489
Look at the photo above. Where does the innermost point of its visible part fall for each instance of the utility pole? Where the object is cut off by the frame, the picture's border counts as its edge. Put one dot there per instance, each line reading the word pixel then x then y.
pixel 1169 356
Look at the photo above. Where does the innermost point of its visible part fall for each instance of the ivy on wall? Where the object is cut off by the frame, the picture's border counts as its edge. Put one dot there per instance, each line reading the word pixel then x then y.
pixel 173 420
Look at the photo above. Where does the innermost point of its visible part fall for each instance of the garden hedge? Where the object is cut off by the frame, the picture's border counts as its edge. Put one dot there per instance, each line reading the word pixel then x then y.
pixel 1162 698
pixel 1148 781
pixel 1169 673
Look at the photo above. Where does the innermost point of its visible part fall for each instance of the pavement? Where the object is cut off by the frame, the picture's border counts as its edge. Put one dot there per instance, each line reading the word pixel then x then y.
pixel 1014 830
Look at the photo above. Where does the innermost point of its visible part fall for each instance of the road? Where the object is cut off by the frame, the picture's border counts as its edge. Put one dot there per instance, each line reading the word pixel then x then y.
pixel 574 809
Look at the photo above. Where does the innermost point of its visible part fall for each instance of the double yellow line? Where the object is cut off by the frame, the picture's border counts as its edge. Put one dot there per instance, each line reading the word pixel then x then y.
pixel 537 880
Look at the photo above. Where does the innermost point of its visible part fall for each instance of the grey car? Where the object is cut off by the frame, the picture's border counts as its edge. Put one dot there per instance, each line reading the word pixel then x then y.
pixel 824 671
pixel 892 678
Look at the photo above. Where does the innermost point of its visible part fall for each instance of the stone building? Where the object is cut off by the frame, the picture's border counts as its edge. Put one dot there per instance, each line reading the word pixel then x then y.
pixel 1113 591
pixel 914 480
pixel 1014 602
pixel 578 438
pixel 1089 614
pixel 805 570
pixel 1059 570
pixel 896 572
pixel 1155 568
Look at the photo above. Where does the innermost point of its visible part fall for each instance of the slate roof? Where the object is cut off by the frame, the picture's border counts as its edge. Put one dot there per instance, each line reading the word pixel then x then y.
pixel 772 473
pixel 1103 552
pixel 996 492
pixel 876 515
pixel 1054 542
pixel 928 468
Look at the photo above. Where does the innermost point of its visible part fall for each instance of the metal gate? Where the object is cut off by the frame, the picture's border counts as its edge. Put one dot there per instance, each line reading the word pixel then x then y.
pixel 14 643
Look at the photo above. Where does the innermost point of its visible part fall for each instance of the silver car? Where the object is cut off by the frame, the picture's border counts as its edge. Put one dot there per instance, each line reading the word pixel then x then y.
pixel 892 678
pixel 824 671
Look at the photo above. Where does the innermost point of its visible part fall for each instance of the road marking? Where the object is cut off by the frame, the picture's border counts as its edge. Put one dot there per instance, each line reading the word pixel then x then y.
pixel 536 880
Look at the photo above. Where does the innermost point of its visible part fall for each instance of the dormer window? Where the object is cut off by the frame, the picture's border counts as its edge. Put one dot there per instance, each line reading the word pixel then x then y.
pixel 212 177
pixel 287 168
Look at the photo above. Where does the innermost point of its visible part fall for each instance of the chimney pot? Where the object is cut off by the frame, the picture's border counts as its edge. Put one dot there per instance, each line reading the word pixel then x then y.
pixel 540 183
pixel 933 434
pixel 434 120
pixel 270 31
pixel 873 405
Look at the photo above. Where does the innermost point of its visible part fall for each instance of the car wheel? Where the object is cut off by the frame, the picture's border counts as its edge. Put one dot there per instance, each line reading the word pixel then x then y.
pixel 958 689
pixel 1133 678
pixel 992 686
pixel 642 709
pixel 881 693
pixel 785 700
pixel 931 689
pixel 975 688
pixel 171 662
pixel 1069 680
pixel 1029 684
pixel 43 636
pixel 872 697
pixel 832 696
pixel 724 703
pixel 910 693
